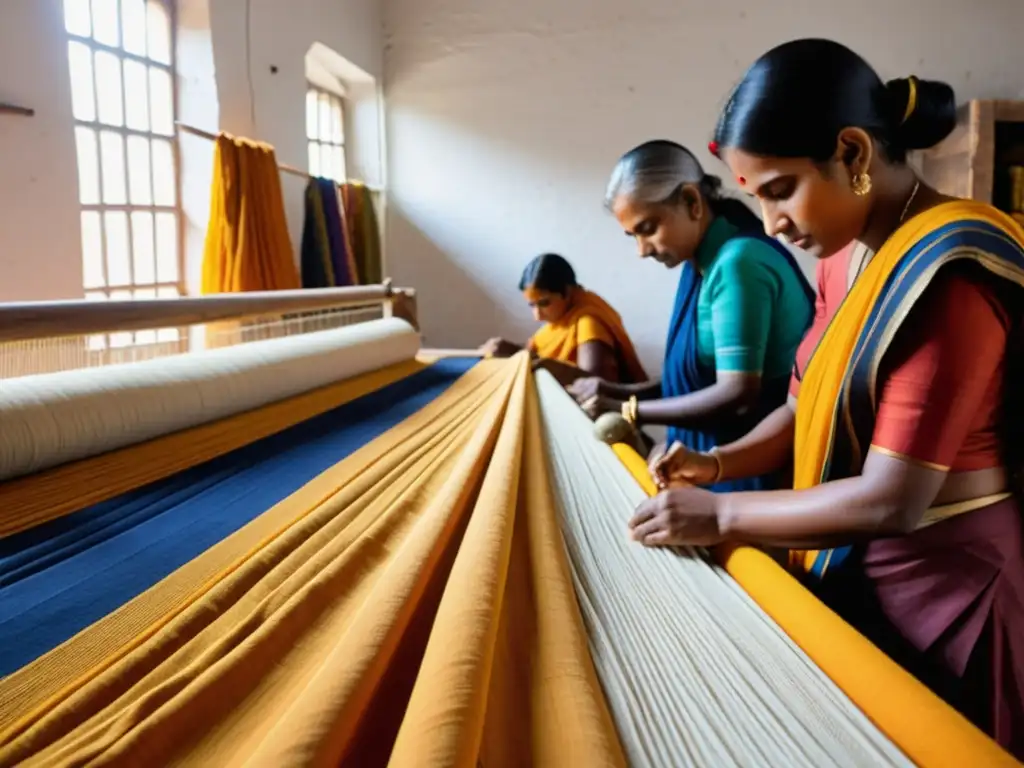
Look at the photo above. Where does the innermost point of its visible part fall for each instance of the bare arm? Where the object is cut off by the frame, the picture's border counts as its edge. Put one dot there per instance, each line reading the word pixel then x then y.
pixel 887 499
pixel 766 448
pixel 731 393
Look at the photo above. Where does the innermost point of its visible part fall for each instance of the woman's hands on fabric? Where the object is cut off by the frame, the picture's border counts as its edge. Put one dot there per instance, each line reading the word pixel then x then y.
pixel 681 466
pixel 598 405
pixel 498 347
pixel 677 517
pixel 587 389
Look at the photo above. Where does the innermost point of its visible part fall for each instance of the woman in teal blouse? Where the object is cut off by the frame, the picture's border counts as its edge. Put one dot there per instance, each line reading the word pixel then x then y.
pixel 741 308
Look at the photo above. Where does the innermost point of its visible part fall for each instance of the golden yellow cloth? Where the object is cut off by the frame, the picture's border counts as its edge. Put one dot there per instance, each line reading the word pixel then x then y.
pixel 411 605
pixel 827 371
pixel 247 243
pixel 589 318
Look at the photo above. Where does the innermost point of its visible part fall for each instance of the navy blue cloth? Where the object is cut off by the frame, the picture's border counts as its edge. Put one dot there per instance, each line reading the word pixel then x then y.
pixel 60 577
pixel 335 231
pixel 683 373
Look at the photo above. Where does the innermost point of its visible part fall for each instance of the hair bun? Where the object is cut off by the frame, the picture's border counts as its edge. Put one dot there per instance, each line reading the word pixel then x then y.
pixel 923 111
pixel 710 185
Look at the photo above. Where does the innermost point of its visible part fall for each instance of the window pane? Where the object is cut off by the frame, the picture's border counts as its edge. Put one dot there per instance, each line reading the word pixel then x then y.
pixel 83 95
pixel 324 129
pixel 326 166
pixel 314 159
pixel 164 192
pixel 144 258
pixel 98 342
pixel 133 25
pixel 96 296
pixel 92 250
pixel 145 293
pixel 312 114
pixel 140 180
pixel 168 334
pixel 168 292
pixel 112 162
pixel 159 32
pixel 341 172
pixel 76 17
pixel 108 88
pixel 166 248
pixel 337 123
pixel 119 270
pixel 105 28
pixel 136 95
pixel 88 166
pixel 161 100
pixel 123 338
pixel 144 337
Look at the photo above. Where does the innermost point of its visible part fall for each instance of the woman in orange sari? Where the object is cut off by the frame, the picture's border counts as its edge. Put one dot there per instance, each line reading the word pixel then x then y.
pixel 908 426
pixel 582 335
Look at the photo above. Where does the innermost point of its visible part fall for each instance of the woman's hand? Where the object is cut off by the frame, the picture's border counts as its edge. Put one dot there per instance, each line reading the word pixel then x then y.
pixel 677 517
pixel 498 347
pixel 681 466
pixel 587 389
pixel 595 406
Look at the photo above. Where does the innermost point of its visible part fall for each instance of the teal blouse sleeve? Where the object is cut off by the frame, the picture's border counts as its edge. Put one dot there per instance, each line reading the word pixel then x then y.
pixel 742 289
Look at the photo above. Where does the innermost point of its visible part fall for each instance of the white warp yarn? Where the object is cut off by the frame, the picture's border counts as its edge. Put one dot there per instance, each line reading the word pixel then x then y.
pixel 53 418
pixel 695 673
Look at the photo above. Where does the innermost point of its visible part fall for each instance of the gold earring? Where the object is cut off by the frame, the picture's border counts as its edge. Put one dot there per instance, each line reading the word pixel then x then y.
pixel 861 184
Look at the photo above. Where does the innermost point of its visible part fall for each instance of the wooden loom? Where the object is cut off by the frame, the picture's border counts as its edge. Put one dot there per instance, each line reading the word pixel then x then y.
pixel 40 338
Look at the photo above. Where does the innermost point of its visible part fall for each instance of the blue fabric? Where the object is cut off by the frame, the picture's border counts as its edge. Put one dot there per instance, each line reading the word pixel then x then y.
pixel 684 373
pixel 911 276
pixel 335 232
pixel 60 577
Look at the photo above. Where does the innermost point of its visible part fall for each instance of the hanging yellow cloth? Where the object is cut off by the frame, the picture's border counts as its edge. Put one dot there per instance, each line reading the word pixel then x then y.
pixel 412 605
pixel 247 243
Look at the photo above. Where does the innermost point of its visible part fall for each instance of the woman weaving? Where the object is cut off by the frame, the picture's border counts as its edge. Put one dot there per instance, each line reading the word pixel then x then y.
pixel 741 308
pixel 582 334
pixel 906 432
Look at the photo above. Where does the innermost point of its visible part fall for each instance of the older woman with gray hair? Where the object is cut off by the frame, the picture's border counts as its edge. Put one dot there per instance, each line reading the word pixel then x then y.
pixel 741 309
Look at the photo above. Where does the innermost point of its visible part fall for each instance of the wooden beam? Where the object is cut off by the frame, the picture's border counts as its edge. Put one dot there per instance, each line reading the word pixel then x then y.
pixel 51 319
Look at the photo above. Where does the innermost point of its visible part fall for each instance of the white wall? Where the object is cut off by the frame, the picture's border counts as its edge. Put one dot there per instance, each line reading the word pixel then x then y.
pixel 40 233
pixel 504 119
pixel 224 40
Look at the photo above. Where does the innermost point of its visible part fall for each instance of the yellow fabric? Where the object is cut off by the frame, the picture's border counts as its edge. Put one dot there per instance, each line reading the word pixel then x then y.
pixel 826 372
pixel 934 736
pixel 411 605
pixel 28 501
pixel 590 318
pixel 247 243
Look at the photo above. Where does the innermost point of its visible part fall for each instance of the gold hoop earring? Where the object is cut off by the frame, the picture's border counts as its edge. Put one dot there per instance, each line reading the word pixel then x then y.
pixel 861 184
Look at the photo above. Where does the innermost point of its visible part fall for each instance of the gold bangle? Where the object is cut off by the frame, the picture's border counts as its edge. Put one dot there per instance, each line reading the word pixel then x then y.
pixel 630 410
pixel 718 460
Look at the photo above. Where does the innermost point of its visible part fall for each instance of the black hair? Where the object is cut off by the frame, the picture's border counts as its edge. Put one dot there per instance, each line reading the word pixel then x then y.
pixel 795 99
pixel 656 172
pixel 549 272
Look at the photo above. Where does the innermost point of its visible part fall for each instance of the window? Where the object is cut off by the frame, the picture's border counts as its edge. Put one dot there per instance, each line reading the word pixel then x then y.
pixel 123 98
pixel 325 129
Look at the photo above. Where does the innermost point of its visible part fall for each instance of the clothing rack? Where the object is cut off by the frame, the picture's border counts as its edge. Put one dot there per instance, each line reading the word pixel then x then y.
pixel 283 167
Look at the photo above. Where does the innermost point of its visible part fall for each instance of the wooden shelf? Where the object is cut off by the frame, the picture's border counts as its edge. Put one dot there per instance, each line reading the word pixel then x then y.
pixel 975 160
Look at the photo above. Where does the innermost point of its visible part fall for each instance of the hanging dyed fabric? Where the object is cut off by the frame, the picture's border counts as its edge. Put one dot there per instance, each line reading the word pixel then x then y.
pixel 317 269
pixel 364 233
pixel 247 243
pixel 335 231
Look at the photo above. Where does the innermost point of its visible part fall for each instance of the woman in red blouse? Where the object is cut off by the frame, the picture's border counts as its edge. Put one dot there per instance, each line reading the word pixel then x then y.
pixel 906 417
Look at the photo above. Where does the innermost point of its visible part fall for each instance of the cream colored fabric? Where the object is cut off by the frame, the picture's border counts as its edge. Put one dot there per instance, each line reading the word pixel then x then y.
pixel 694 672
pixel 55 418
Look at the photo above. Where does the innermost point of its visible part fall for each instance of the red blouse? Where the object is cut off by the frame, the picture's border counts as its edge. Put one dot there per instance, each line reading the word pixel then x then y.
pixel 942 378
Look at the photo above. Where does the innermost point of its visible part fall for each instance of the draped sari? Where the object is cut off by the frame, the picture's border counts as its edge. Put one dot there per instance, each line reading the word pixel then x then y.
pixel 947 600
pixel 589 318
pixel 684 372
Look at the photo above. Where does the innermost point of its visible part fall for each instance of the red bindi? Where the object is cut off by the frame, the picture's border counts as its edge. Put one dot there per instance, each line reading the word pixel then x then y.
pixel 713 148
pixel 742 180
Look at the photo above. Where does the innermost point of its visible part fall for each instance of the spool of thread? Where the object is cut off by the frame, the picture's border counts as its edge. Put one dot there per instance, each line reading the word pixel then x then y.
pixel 611 428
